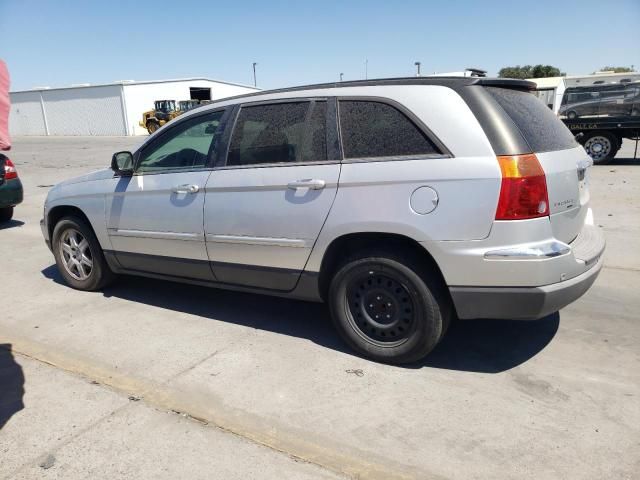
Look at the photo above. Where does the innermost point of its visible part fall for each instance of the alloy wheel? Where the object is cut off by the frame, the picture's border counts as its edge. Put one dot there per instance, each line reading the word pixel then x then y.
pixel 76 254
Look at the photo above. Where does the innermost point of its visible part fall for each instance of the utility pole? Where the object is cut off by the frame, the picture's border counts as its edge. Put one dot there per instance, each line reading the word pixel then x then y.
pixel 341 74
pixel 255 84
pixel 417 64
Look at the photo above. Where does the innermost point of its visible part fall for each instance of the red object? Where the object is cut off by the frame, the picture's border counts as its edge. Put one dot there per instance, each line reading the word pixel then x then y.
pixel 5 141
pixel 523 193
pixel 10 171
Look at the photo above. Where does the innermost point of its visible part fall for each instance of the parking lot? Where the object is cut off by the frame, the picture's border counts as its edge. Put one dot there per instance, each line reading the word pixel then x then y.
pixel 148 374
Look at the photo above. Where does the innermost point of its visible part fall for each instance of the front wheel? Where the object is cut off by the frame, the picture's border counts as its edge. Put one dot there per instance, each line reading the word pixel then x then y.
pixel 78 255
pixel 152 127
pixel 386 309
pixel 6 214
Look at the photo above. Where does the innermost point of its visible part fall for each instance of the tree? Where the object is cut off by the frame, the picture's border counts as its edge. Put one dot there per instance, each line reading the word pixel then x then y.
pixel 617 69
pixel 528 71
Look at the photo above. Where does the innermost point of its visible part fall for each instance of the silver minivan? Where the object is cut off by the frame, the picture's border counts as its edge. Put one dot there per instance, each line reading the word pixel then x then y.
pixel 402 203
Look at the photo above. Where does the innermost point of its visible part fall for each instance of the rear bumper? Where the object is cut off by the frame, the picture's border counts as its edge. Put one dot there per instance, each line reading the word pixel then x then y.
pixel 576 265
pixel 11 193
pixel 521 303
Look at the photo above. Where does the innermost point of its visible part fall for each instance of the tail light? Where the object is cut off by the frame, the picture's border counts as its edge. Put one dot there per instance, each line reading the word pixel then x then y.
pixel 10 171
pixel 523 193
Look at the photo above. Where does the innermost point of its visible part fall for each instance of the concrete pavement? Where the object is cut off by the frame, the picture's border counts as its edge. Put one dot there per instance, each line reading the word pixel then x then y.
pixel 73 427
pixel 556 398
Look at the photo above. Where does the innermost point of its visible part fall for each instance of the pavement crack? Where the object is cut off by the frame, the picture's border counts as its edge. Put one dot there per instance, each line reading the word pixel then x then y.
pixel 617 267
pixel 191 367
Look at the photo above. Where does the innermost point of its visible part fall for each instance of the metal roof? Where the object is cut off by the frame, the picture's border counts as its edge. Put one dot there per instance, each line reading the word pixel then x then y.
pixel 133 82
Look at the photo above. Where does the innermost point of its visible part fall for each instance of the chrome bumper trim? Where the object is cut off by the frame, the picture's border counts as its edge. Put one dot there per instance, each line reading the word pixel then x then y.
pixel 536 252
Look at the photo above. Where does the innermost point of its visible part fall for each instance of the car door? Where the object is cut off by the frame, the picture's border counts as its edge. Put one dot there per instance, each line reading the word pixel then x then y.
pixel 155 217
pixel 268 198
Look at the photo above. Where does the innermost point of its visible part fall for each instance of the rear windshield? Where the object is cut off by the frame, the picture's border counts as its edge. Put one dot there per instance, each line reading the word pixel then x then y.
pixel 540 127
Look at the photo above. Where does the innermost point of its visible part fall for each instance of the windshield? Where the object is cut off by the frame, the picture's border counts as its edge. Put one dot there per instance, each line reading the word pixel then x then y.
pixel 166 105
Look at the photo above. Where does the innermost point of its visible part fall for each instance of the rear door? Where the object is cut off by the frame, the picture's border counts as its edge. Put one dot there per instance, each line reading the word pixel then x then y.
pixel 269 197
pixel 564 161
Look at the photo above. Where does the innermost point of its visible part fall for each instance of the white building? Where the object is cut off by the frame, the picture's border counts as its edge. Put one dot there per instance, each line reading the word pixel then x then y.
pixel 109 109
pixel 551 89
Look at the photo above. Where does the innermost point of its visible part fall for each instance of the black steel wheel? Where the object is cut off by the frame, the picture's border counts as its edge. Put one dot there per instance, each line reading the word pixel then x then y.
pixel 387 308
pixel 381 307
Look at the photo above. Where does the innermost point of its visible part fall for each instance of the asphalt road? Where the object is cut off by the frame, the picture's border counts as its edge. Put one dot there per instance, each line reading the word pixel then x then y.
pixel 263 387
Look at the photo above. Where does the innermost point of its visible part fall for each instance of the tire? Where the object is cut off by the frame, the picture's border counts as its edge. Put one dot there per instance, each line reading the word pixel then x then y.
pixel 6 214
pixel 152 127
pixel 601 147
pixel 414 312
pixel 572 114
pixel 81 261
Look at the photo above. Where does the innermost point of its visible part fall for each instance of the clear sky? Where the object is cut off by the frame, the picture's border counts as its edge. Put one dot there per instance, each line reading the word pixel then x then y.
pixel 57 43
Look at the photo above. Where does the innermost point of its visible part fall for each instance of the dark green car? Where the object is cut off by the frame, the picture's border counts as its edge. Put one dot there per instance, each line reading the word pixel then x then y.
pixel 10 188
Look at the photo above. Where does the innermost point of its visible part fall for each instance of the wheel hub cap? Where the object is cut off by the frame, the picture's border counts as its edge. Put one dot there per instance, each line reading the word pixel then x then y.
pixel 598 147
pixel 381 308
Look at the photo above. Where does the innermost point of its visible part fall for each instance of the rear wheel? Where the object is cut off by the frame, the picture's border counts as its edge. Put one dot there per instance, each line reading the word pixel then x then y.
pixel 385 308
pixel 601 147
pixel 78 255
pixel 572 114
pixel 6 214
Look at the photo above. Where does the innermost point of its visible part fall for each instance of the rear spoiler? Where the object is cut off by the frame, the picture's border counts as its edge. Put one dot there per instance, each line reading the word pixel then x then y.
pixel 512 83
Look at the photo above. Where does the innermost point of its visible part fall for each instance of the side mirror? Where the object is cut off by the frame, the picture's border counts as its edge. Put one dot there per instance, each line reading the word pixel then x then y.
pixel 122 163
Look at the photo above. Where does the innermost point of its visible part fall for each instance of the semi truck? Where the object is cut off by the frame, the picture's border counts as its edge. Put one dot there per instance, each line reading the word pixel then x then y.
pixel 601 110
pixel 601 116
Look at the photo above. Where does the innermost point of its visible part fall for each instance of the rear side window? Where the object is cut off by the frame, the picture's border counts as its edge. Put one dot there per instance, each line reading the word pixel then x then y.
pixel 279 133
pixel 539 126
pixel 374 129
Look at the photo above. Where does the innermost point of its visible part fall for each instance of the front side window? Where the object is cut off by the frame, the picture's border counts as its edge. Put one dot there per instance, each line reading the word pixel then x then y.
pixel 279 133
pixel 374 129
pixel 185 147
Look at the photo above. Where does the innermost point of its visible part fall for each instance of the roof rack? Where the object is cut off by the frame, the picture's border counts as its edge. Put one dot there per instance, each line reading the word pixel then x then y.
pixel 452 82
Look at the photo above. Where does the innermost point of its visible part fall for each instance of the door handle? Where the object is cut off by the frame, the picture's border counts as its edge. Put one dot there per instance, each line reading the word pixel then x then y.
pixel 186 189
pixel 310 183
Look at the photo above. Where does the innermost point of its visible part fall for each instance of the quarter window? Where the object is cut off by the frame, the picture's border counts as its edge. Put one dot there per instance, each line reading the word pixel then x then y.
pixel 279 133
pixel 375 129
pixel 184 147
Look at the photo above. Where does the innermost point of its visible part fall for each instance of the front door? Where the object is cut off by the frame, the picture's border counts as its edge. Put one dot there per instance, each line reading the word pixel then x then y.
pixel 155 217
pixel 266 206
